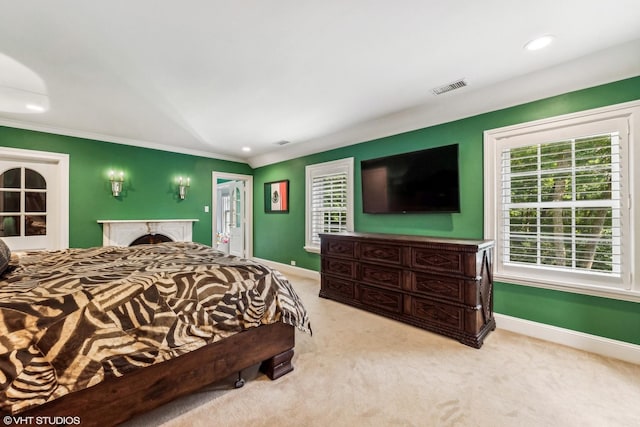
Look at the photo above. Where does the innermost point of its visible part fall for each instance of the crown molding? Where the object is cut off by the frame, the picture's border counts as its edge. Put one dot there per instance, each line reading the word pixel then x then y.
pixel 18 124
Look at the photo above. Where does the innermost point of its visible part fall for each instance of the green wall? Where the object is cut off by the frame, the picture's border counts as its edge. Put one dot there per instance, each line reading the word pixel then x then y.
pixel 281 237
pixel 150 191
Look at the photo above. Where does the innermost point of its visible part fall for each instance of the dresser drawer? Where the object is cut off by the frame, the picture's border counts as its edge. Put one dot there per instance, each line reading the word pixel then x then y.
pixel 438 261
pixel 380 298
pixel 379 252
pixel 339 267
pixel 435 312
pixel 438 286
pixel 332 286
pixel 381 275
pixel 338 247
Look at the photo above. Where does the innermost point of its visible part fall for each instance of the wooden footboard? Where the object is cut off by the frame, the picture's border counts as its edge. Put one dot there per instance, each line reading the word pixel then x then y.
pixel 119 399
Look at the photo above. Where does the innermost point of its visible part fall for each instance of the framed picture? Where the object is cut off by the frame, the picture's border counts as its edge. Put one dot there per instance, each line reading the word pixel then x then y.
pixel 276 196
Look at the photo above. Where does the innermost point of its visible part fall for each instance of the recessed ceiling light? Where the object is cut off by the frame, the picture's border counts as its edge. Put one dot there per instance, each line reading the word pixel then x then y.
pixel 246 149
pixel 16 100
pixel 539 43
pixel 35 108
pixel 21 89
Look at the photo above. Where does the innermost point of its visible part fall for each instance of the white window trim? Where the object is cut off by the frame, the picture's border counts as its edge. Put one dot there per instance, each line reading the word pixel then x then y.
pixel 493 141
pixel 326 168
pixel 62 161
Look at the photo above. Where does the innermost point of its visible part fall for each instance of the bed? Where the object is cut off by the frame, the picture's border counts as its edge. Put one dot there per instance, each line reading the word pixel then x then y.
pixel 99 335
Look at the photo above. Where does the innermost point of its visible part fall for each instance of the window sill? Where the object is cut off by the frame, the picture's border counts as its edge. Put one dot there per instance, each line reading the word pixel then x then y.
pixel 618 294
pixel 312 249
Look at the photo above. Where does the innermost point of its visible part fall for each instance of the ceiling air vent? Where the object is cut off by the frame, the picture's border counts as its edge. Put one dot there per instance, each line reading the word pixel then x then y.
pixel 449 87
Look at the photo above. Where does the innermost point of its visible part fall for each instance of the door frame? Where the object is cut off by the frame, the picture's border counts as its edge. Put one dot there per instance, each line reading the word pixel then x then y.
pixel 61 239
pixel 248 211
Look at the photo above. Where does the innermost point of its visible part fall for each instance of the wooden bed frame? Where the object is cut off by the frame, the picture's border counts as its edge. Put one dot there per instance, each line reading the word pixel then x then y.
pixel 116 400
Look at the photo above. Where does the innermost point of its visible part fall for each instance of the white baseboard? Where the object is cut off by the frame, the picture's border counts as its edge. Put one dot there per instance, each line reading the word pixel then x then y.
pixel 591 343
pixel 289 269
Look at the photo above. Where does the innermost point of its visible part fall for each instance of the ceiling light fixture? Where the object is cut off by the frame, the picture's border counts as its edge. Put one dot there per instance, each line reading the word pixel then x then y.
pixel 539 42
pixel 16 100
pixel 21 89
pixel 246 149
pixel 35 108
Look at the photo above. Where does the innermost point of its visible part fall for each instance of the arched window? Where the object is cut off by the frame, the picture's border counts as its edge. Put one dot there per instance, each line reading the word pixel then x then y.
pixel 23 203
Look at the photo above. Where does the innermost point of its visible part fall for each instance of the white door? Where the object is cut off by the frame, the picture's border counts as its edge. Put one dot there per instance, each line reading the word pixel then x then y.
pixel 29 204
pixel 237 213
pixel 237 223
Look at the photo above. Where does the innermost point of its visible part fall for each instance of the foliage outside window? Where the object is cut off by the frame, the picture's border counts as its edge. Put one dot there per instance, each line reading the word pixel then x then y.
pixel 329 200
pixel 561 204
pixel 557 202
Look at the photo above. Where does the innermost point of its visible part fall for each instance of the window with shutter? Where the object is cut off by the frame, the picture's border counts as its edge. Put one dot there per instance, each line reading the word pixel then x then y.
pixel 557 201
pixel 561 204
pixel 329 200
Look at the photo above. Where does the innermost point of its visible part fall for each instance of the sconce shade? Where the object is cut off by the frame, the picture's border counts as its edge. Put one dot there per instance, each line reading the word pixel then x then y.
pixel 116 182
pixel 182 187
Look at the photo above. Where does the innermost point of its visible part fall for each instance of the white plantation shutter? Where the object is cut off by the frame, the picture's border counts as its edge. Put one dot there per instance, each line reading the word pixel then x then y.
pixel 328 205
pixel 558 196
pixel 561 204
pixel 329 200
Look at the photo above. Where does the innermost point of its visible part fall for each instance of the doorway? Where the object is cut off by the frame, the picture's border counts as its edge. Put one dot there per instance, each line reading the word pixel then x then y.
pixel 232 213
pixel 34 199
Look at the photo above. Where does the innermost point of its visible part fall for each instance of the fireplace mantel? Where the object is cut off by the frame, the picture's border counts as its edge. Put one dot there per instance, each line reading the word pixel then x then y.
pixel 122 232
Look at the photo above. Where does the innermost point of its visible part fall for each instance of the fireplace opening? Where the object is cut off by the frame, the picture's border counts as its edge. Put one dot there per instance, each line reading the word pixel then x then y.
pixel 151 239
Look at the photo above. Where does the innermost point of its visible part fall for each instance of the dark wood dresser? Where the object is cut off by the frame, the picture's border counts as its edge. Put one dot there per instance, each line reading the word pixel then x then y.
pixel 442 285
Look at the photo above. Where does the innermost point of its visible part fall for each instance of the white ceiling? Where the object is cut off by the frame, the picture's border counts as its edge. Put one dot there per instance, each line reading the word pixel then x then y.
pixel 209 77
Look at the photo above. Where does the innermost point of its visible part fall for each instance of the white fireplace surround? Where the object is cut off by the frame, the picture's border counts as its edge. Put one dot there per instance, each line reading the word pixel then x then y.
pixel 124 232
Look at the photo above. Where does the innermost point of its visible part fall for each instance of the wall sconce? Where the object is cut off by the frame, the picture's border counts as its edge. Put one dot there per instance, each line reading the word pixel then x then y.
pixel 116 182
pixel 182 187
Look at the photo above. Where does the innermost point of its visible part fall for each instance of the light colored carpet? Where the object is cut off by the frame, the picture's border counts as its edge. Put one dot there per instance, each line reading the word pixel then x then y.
pixel 359 369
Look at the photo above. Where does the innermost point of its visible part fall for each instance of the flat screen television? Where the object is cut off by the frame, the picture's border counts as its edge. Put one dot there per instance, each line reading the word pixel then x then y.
pixel 415 182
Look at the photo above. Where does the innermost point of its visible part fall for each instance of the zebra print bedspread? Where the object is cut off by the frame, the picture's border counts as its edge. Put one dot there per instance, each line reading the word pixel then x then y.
pixel 69 319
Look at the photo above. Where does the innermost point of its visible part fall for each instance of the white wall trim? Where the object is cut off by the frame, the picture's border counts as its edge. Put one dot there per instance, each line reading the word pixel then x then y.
pixel 62 162
pixel 290 269
pixel 579 340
